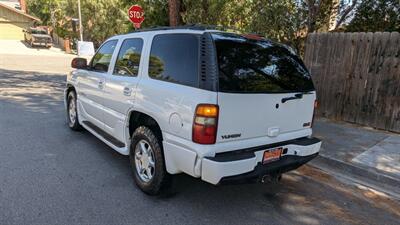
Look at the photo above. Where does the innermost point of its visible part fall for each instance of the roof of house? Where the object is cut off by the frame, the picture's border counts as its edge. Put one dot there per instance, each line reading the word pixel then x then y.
pixel 19 12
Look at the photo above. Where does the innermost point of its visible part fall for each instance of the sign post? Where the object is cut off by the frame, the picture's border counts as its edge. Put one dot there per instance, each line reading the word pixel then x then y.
pixel 136 15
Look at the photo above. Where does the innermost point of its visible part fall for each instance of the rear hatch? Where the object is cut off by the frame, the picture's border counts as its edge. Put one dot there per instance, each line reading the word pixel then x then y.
pixel 264 89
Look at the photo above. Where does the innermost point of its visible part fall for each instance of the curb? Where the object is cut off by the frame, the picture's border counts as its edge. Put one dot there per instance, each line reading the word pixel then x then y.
pixel 366 175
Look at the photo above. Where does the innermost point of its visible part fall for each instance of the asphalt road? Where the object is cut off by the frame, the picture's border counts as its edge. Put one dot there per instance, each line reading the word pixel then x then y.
pixel 52 175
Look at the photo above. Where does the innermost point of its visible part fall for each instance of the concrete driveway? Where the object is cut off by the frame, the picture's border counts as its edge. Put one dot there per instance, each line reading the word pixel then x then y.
pixel 52 175
pixel 17 55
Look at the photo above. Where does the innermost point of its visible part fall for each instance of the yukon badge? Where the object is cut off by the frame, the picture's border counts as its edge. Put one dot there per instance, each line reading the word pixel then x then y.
pixel 228 136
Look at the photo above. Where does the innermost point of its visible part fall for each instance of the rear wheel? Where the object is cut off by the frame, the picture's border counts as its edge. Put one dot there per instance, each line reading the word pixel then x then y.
pixel 72 112
pixel 147 162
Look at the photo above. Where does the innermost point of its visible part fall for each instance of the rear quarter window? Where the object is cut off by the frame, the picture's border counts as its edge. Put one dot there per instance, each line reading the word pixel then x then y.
pixel 175 58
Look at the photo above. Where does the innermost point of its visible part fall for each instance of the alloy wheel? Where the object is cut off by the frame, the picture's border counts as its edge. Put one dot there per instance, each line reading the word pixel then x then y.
pixel 72 111
pixel 144 161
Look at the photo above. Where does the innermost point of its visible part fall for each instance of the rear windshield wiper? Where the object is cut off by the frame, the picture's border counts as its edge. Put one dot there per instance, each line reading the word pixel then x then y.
pixel 296 96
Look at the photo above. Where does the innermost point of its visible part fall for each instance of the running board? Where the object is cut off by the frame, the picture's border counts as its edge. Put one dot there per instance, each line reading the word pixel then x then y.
pixel 105 135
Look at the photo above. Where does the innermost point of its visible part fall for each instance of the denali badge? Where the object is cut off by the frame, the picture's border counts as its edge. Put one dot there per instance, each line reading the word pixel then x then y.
pixel 231 136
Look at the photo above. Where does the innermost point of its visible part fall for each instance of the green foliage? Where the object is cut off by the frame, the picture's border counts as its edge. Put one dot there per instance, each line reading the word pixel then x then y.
pixel 376 15
pixel 284 20
pixel 49 11
pixel 287 21
pixel 205 12
pixel 101 19
pixel 278 20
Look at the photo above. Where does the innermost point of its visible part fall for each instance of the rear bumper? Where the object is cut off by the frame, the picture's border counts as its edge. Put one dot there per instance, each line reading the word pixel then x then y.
pixel 285 164
pixel 47 44
pixel 246 164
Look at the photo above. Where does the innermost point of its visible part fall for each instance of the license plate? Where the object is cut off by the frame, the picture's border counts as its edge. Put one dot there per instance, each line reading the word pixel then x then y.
pixel 272 155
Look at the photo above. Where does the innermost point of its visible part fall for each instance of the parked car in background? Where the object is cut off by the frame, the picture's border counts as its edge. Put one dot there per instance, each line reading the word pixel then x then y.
pixel 37 37
pixel 219 106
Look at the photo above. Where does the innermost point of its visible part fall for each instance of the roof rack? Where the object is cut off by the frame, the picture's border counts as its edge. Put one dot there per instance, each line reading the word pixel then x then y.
pixel 198 27
pixel 189 26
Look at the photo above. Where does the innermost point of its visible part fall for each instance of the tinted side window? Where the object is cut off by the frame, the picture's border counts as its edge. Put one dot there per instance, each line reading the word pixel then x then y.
pixel 101 60
pixel 175 58
pixel 128 60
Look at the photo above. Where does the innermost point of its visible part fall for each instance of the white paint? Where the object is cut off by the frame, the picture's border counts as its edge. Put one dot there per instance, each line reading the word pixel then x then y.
pixel 85 48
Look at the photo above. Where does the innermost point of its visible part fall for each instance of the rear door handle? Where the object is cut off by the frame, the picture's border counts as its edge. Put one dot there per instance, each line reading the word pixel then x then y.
pixel 101 84
pixel 127 91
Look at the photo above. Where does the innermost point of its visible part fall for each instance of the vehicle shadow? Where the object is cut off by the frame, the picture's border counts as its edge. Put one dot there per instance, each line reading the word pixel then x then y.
pixel 34 91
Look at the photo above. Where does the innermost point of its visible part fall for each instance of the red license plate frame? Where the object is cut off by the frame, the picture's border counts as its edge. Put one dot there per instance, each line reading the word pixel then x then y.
pixel 272 155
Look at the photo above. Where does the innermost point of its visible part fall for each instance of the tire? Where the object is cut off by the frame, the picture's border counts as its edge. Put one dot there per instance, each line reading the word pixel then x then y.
pixel 72 112
pixel 146 152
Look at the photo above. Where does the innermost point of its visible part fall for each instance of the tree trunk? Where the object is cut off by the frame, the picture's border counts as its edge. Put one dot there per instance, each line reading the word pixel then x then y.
pixel 313 10
pixel 174 16
pixel 333 14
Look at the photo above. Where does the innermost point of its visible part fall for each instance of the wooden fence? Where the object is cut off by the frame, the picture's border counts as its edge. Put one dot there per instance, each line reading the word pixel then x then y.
pixel 58 41
pixel 357 77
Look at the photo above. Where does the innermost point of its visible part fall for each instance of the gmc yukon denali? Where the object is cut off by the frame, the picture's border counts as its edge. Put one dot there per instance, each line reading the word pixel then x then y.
pixel 219 106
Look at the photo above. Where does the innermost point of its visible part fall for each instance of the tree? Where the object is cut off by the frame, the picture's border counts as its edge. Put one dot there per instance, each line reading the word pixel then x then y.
pixel 101 19
pixel 174 12
pixel 49 11
pixel 287 21
pixel 345 12
pixel 376 15
pixel 209 12
pixel 278 20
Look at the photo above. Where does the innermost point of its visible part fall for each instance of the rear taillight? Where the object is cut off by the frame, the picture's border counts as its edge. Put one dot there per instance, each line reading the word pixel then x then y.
pixel 315 108
pixel 205 124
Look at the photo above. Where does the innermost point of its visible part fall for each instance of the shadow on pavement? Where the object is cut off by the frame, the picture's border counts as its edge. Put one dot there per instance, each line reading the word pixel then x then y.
pixel 34 91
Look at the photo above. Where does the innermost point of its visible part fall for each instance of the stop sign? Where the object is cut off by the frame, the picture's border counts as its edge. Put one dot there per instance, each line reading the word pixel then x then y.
pixel 136 15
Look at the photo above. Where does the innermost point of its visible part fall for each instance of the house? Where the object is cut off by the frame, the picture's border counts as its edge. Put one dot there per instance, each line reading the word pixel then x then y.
pixel 14 19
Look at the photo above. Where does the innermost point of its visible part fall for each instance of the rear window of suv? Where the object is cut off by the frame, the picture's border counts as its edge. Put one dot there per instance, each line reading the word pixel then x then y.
pixel 258 66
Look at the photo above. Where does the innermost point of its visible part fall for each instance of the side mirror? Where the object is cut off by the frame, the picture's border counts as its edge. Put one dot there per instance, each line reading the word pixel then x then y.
pixel 79 63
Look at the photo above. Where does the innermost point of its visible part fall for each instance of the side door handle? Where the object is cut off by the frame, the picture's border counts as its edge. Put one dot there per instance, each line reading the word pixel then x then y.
pixel 101 84
pixel 127 91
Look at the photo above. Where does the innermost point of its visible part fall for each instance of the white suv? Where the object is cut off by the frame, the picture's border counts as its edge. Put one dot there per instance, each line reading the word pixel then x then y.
pixel 218 106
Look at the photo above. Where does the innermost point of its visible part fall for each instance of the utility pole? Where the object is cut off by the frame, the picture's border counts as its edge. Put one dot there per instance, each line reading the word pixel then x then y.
pixel 80 20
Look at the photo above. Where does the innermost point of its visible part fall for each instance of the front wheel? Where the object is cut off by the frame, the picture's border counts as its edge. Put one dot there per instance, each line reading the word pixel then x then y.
pixel 72 112
pixel 147 162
